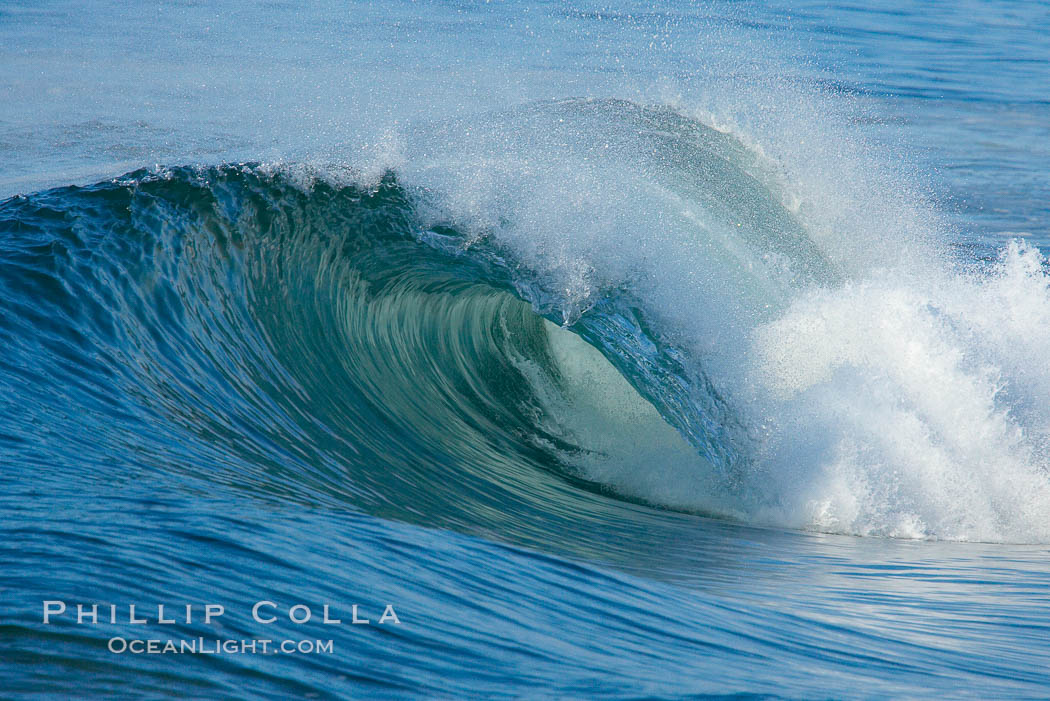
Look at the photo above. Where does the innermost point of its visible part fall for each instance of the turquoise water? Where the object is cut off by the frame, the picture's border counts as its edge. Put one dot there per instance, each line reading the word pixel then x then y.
pixel 642 351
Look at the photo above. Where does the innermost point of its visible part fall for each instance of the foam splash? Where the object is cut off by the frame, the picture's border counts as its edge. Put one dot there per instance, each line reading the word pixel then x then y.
pixel 884 391
pixel 914 407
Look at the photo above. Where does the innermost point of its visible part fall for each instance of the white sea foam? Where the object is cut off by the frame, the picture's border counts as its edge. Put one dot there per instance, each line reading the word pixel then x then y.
pixel 885 390
pixel 912 407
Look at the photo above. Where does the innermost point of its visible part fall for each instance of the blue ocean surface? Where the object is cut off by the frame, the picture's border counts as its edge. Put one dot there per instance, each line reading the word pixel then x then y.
pixel 524 350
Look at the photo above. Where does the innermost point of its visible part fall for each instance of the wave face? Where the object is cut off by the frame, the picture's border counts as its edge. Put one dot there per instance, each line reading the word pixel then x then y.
pixel 515 316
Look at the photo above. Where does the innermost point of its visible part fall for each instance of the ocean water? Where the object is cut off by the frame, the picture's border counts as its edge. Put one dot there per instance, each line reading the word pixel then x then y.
pixel 643 350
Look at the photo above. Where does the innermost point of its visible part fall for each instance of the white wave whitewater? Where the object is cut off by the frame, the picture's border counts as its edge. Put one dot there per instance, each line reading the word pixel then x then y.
pixel 878 385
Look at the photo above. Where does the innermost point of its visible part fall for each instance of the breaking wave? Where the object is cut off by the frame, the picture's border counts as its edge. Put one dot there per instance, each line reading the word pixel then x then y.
pixel 484 320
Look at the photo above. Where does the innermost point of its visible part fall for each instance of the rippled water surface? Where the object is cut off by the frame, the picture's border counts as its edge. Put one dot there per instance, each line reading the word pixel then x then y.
pixel 632 351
